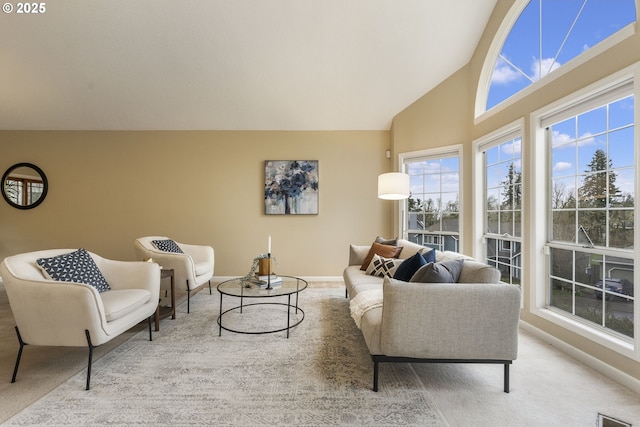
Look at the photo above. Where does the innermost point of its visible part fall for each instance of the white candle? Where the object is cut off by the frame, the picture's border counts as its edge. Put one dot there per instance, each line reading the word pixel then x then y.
pixel 269 243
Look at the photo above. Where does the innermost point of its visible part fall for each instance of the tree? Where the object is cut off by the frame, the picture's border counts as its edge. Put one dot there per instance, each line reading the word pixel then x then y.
pixel 513 188
pixel 595 192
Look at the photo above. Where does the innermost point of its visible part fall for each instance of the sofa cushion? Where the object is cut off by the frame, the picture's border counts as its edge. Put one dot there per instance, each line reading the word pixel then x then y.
pixel 439 272
pixel 409 267
pixel 357 280
pixel 76 266
pixel 386 251
pixel 477 272
pixel 167 245
pixel 118 303
pixel 381 266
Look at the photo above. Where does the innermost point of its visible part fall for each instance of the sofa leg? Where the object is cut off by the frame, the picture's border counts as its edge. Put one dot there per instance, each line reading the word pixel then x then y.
pixel 91 347
pixel 375 375
pixel 22 344
pixel 150 334
pixel 210 288
pixel 506 378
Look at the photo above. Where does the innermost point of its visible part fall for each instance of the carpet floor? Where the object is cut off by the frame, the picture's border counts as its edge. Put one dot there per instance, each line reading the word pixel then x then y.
pixel 188 375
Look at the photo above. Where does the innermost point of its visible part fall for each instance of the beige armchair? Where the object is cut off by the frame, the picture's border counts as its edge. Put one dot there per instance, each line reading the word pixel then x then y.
pixel 52 312
pixel 192 267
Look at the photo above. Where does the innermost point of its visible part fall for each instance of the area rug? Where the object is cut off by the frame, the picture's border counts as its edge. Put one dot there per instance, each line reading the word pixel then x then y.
pixel 189 375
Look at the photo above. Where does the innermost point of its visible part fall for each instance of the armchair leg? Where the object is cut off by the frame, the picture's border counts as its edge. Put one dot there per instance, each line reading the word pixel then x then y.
pixel 22 344
pixel 375 375
pixel 210 288
pixel 91 347
pixel 150 335
pixel 188 297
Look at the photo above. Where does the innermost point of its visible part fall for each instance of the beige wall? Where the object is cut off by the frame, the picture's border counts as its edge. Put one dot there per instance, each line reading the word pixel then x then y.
pixel 445 116
pixel 107 188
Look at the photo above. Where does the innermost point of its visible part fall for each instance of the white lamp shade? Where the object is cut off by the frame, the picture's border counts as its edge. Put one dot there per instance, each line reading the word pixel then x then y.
pixel 393 186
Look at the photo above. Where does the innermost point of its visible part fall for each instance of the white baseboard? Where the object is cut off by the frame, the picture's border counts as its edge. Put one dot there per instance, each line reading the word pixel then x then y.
pixel 592 362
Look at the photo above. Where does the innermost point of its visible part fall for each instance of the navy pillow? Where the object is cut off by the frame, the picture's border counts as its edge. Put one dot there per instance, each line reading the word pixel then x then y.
pixel 167 245
pixel 409 266
pixel 76 266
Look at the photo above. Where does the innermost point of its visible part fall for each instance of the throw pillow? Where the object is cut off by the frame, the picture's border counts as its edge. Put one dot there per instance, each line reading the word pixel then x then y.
pixel 409 266
pixel 77 266
pixel 381 267
pixel 429 255
pixel 439 272
pixel 167 245
pixel 386 251
pixel 390 242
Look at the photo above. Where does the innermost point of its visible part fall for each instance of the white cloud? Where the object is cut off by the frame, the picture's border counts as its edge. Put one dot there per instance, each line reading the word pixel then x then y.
pixel 504 74
pixel 558 138
pixel 513 148
pixel 586 139
pixel 545 66
pixel 561 166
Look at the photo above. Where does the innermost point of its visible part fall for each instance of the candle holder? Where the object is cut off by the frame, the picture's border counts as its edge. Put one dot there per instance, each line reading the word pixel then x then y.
pixel 269 271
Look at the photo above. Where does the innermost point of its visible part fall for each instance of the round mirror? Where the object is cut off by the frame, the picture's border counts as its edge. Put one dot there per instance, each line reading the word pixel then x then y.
pixel 24 186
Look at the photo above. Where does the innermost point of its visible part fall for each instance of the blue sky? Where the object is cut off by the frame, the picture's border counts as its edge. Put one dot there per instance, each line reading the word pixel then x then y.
pixel 569 27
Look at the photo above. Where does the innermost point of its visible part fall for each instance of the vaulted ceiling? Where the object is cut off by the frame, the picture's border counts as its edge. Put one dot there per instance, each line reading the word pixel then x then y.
pixel 229 64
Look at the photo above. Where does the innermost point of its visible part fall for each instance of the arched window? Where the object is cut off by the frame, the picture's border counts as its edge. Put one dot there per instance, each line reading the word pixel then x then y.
pixel 546 35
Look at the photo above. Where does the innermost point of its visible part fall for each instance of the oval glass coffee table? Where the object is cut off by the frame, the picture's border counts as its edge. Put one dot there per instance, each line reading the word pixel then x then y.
pixel 260 298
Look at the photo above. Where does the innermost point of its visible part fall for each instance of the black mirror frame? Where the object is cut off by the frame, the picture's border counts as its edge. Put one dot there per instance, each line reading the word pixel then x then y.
pixel 45 185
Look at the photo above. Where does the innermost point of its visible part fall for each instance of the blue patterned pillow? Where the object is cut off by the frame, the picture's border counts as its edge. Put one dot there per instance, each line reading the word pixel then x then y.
pixel 76 267
pixel 167 245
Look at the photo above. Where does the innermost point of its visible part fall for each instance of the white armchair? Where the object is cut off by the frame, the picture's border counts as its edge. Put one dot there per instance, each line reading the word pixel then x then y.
pixel 193 267
pixel 61 313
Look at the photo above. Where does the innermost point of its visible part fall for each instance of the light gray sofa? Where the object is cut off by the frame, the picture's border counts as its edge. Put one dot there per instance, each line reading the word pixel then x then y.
pixel 472 321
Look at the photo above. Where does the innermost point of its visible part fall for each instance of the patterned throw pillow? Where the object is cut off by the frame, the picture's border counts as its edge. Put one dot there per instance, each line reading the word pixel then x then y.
pixel 381 266
pixel 386 251
pixel 167 245
pixel 76 267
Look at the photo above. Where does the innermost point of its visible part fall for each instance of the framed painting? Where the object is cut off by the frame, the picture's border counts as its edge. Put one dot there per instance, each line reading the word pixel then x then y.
pixel 291 187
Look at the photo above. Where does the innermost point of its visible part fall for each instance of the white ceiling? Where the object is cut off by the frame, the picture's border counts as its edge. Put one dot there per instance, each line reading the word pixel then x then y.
pixel 229 64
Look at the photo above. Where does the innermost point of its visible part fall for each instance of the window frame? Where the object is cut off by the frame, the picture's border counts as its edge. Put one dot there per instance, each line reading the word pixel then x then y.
pixel 539 245
pixel 506 133
pixel 433 153
pixel 484 83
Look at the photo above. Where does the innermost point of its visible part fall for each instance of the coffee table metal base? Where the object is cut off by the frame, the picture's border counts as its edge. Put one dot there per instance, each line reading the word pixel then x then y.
pixel 298 311
pixel 258 297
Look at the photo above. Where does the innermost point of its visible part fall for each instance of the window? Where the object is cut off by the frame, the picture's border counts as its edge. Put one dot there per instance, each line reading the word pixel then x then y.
pixel 23 191
pixel 546 35
pixel 433 207
pixel 501 166
pixel 591 209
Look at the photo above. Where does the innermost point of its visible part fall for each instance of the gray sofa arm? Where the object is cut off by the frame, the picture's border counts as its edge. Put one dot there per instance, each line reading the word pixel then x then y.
pixel 450 320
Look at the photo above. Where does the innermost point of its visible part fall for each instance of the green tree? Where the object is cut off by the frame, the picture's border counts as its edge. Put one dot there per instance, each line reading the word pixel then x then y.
pixel 597 192
pixel 513 188
pixel 599 186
